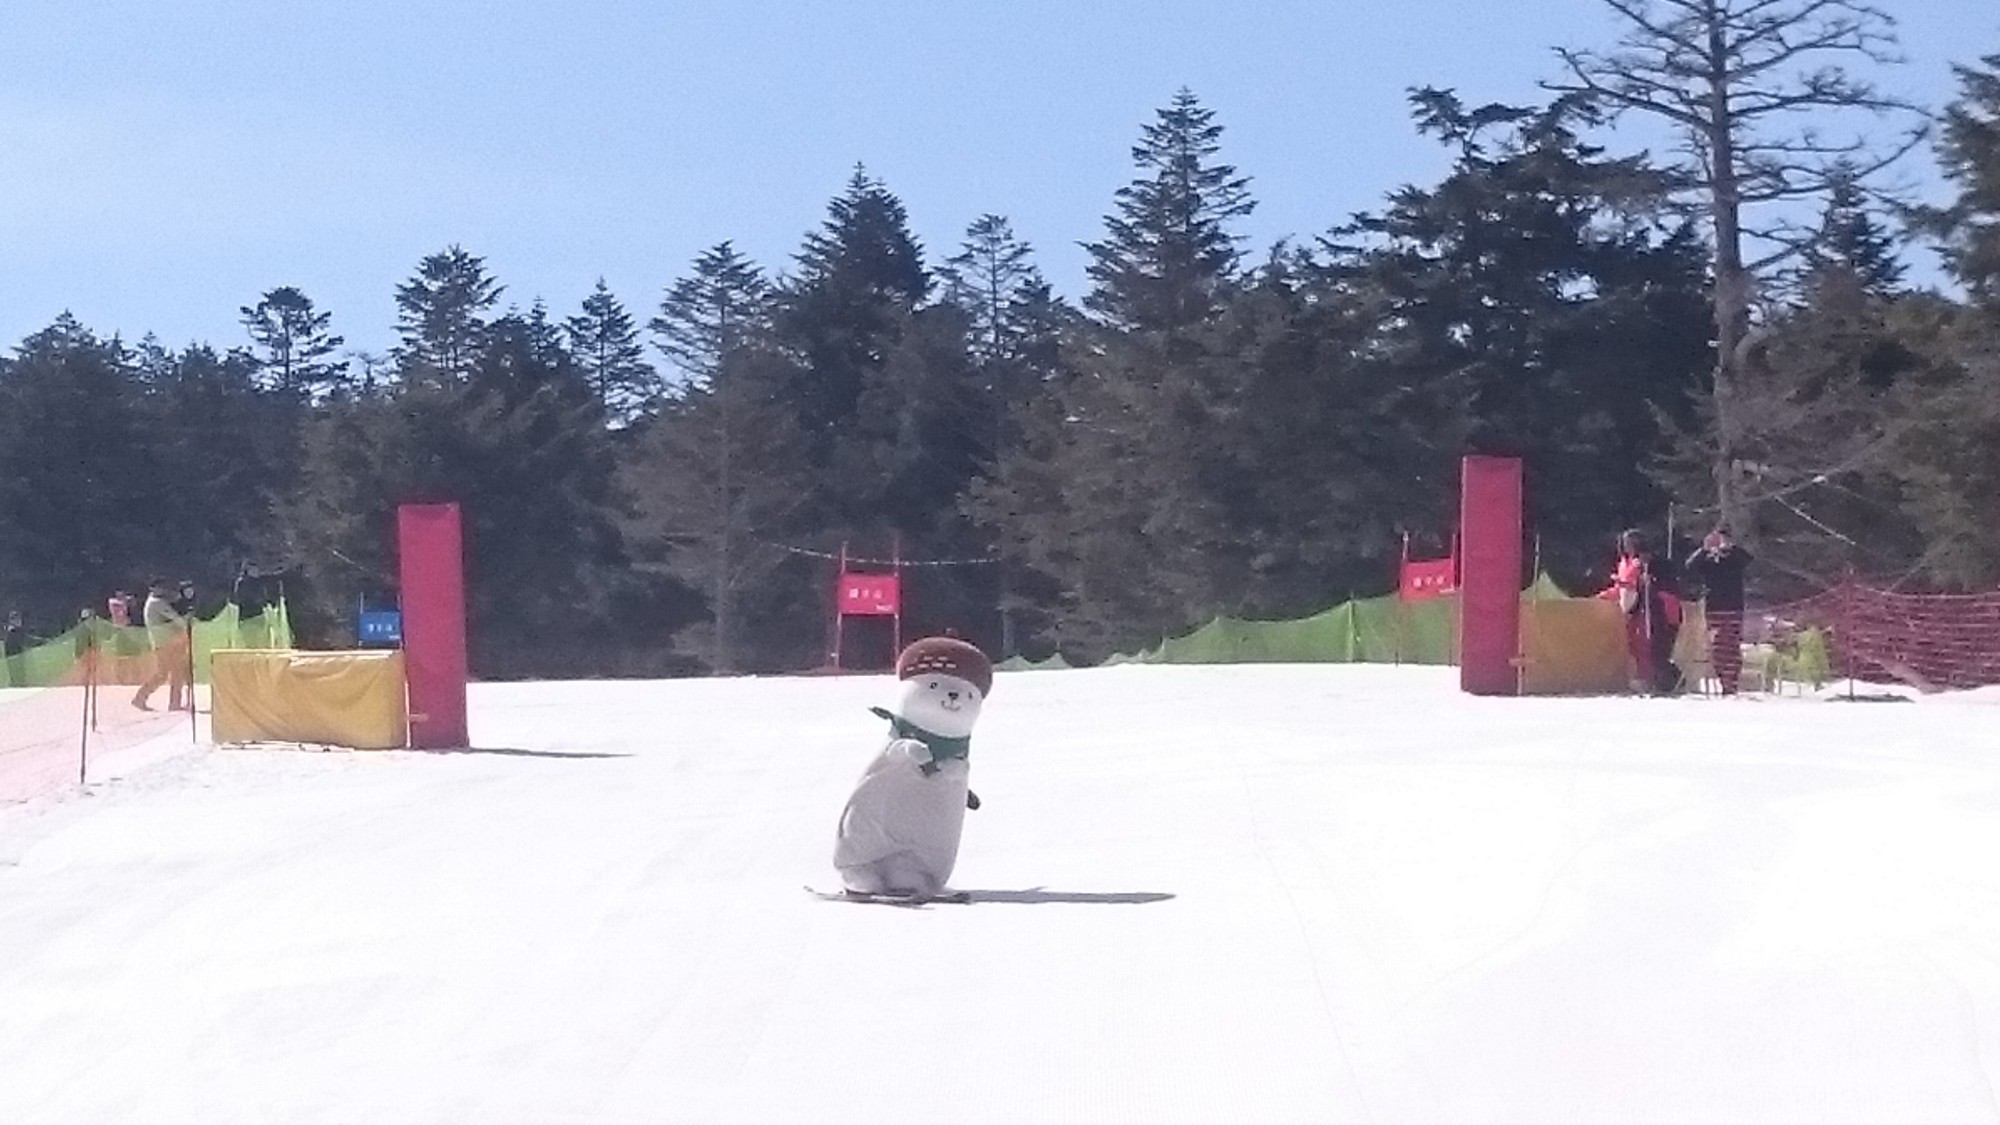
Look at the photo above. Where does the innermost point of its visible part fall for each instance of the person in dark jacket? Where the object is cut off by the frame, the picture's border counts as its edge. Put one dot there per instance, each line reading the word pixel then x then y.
pixel 1719 567
pixel 247 595
pixel 13 644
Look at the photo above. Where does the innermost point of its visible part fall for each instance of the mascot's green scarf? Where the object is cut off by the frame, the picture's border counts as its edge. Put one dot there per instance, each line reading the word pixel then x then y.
pixel 940 746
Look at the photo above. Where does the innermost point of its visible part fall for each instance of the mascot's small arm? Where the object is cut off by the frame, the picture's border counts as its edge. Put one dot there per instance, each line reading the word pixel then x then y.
pixel 899 832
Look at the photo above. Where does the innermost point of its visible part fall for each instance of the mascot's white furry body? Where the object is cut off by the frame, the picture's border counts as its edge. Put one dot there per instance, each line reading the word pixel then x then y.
pixel 900 831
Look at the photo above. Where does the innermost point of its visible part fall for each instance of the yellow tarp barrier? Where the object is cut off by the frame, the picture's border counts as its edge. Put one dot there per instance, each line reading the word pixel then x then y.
pixel 337 698
pixel 1691 647
pixel 1574 646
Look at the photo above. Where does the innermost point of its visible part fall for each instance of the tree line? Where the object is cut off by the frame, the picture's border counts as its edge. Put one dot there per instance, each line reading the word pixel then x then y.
pixel 1724 332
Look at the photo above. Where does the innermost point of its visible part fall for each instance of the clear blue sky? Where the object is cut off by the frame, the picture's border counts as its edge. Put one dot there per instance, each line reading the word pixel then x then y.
pixel 161 164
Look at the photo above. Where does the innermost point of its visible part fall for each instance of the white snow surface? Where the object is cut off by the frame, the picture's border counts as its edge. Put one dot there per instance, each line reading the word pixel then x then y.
pixel 1235 894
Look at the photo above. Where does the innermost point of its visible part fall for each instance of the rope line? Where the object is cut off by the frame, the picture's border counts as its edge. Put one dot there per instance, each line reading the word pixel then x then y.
pixel 810 553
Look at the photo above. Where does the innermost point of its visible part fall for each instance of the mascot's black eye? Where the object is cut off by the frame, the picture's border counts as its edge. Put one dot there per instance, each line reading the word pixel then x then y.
pixel 933 685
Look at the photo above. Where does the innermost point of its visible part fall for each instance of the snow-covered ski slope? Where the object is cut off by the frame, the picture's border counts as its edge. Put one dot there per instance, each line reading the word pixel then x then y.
pixel 1287 894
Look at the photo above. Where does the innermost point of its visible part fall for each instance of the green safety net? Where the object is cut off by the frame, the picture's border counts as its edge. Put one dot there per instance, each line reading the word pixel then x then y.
pixel 1054 663
pixel 1381 630
pixel 56 661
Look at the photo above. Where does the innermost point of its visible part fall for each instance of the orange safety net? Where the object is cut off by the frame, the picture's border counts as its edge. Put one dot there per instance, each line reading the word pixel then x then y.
pixel 50 735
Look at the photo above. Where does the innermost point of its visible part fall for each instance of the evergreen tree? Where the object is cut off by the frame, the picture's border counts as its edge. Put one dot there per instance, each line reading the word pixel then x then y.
pixel 81 492
pixel 1969 150
pixel 1168 251
pixel 527 352
pixel 722 307
pixel 606 345
pixel 441 317
pixel 994 279
pixel 295 348
pixel 1748 84
pixel 888 401
pixel 1821 422
pixel 1014 325
pixel 1852 255
pixel 519 442
pixel 1943 463
pixel 859 277
pixel 227 453
pixel 1544 302
pixel 338 526
pixel 719 471
pixel 865 249
pixel 1117 490
pixel 1074 501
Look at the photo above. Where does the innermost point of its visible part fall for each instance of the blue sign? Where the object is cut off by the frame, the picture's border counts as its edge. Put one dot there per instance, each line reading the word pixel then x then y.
pixel 381 627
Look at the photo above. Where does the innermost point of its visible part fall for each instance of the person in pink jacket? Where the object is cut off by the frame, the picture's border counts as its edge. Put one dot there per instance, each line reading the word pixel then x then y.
pixel 1644 591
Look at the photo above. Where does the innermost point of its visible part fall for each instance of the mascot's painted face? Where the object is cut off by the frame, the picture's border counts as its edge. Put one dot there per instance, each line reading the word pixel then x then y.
pixel 941 704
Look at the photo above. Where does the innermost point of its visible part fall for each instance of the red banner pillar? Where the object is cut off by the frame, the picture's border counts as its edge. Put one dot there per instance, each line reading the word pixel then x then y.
pixel 434 662
pixel 1489 582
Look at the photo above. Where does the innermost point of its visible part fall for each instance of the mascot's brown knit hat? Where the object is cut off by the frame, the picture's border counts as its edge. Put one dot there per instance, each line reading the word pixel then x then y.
pixel 950 656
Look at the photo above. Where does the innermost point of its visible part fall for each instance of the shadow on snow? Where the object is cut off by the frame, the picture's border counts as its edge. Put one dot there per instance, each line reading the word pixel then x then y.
pixel 1037 895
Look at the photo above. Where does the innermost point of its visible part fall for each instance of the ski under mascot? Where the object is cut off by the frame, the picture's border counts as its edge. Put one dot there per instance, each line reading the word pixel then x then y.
pixel 899 832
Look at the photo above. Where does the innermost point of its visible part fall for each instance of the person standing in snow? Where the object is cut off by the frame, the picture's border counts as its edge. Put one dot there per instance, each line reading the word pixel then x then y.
pixel 1644 591
pixel 1718 567
pixel 13 644
pixel 123 613
pixel 166 633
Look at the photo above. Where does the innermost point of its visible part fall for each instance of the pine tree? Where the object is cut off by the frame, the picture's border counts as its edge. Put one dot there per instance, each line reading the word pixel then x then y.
pixel 1944 463
pixel 441 317
pixel 865 249
pixel 337 526
pixel 1969 150
pixel 723 306
pixel 1542 301
pixel 227 451
pixel 81 491
pixel 994 279
pixel 606 345
pixel 1013 331
pixel 720 469
pixel 526 354
pixel 886 397
pixel 859 278
pixel 1117 490
pixel 1852 255
pixel 1748 84
pixel 296 349
pixel 1168 251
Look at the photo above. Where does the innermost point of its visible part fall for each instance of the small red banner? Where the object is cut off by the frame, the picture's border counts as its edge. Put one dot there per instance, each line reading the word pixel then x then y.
pixel 1430 579
pixel 870 595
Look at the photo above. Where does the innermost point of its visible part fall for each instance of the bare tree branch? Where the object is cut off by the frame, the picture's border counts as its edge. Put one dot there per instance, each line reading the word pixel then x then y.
pixel 1747 82
pixel 1581 67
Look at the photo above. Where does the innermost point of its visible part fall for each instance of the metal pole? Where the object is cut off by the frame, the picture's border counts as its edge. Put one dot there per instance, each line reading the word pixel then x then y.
pixel 194 725
pixel 89 690
pixel 1847 626
pixel 1457 604
pixel 1402 598
pixel 839 611
pixel 896 571
pixel 1523 640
